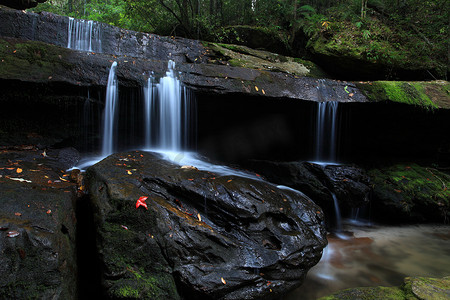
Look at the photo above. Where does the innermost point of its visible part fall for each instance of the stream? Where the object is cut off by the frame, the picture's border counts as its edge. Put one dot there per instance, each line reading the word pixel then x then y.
pixel 377 255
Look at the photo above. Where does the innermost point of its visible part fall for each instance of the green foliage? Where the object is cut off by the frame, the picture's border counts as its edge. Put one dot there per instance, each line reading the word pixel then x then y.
pixel 399 33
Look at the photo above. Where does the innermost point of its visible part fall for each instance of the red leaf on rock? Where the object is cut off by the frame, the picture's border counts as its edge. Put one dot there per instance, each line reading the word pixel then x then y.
pixel 141 202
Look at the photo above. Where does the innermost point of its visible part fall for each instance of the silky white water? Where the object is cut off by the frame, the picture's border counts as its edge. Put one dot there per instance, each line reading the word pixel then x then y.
pixel 109 115
pixel 84 35
pixel 168 110
pixel 326 131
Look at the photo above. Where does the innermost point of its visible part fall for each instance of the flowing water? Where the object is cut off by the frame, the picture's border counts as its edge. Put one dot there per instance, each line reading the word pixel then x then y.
pixel 377 256
pixel 84 35
pixel 169 113
pixel 109 118
pixel 326 131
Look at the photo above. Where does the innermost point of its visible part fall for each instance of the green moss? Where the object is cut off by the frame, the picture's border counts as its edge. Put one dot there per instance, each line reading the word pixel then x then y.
pixel 40 60
pixel 413 188
pixel 429 95
pixel 413 288
pixel 244 57
pixel 127 292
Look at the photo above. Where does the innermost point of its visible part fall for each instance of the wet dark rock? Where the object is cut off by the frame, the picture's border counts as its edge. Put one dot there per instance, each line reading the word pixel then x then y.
pixel 203 235
pixel 33 37
pixel 349 183
pixel 37 228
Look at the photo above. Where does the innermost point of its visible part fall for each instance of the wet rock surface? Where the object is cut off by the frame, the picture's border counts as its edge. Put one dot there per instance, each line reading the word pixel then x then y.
pixel 211 236
pixel 37 42
pixel 350 184
pixel 37 226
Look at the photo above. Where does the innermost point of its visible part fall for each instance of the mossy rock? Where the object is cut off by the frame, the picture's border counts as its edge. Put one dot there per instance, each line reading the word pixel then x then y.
pixel 39 60
pixel 413 288
pixel 427 94
pixel 256 37
pixel 410 192
pixel 244 57
pixel 428 288
pixel 374 50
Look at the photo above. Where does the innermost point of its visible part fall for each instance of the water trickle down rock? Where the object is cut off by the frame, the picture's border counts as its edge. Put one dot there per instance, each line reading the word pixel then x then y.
pixel 261 240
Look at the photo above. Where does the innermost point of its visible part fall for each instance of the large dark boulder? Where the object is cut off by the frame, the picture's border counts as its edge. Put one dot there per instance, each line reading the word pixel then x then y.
pixel 203 235
pixel 37 226
pixel 348 183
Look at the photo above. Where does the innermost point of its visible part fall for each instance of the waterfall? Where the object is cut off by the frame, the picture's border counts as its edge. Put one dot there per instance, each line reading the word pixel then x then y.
pixel 84 35
pixel 326 131
pixel 168 112
pixel 109 118
pixel 337 212
pixel 149 107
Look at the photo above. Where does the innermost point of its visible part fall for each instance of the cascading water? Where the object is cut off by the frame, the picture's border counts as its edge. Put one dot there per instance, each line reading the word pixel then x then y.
pixel 168 110
pixel 326 131
pixel 337 212
pixel 110 121
pixel 84 35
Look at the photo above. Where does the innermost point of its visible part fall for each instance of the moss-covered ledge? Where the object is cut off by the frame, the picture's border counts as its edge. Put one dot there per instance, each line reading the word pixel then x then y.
pixel 412 288
pixel 245 57
pixel 427 94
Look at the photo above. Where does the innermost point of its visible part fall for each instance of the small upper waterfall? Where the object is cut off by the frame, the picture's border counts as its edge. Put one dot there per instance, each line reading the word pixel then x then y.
pixel 168 109
pixel 109 121
pixel 84 35
pixel 326 131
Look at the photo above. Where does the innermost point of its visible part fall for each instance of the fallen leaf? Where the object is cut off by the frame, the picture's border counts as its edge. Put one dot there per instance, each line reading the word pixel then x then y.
pixel 199 217
pixel 129 172
pixel 351 94
pixel 141 202
pixel 263 91
pixel 13 233
pixel 230 180
pixel 19 170
pixel 124 227
pixel 17 214
pixel 20 179
pixel 256 88
pixel 49 211
pixel 223 280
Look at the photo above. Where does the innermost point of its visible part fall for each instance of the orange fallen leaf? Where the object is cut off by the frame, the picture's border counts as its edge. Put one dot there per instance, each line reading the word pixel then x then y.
pixel 223 280
pixel 49 211
pixel 199 217
pixel 17 214
pixel 19 170
pixel 129 172
pixel 263 91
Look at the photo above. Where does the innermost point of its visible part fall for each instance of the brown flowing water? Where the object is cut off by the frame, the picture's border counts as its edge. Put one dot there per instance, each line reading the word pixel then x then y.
pixel 377 256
